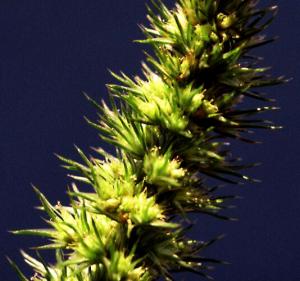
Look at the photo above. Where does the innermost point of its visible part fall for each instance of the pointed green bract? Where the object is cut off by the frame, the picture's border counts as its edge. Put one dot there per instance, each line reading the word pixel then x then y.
pixel 171 131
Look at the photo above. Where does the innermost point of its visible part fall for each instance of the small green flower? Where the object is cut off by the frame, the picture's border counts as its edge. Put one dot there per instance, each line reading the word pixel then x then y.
pixel 141 209
pixel 121 267
pixel 161 170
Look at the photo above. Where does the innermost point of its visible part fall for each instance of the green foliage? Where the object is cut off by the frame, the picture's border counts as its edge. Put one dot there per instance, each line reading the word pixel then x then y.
pixel 169 133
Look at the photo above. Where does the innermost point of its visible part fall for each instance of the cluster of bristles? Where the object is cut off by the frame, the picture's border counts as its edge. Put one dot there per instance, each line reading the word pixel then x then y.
pixel 169 130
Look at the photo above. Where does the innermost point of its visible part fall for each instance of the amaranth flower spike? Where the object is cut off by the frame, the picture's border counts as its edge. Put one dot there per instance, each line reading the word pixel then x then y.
pixel 169 132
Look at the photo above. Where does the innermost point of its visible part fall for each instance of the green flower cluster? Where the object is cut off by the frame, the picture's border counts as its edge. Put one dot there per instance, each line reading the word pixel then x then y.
pixel 169 130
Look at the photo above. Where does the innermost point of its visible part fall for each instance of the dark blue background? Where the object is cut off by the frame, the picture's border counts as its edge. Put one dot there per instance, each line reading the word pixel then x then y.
pixel 51 50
